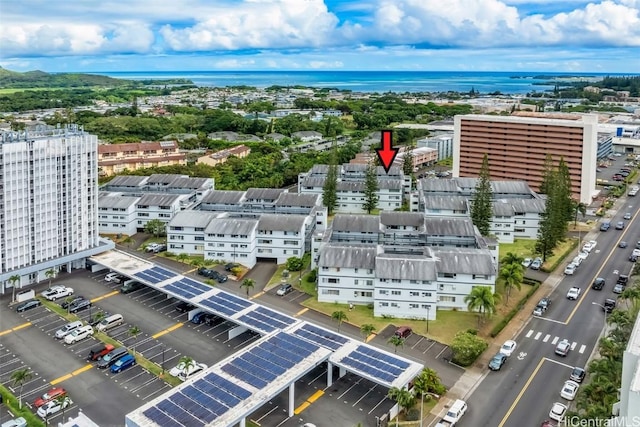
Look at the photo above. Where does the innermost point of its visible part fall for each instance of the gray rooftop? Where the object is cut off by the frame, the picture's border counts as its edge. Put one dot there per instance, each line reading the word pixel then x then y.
pixel 232 226
pixel 350 186
pixel 158 199
pixel 407 267
pixel 128 181
pixel 313 181
pixel 164 178
pixel 268 194
pixel 354 167
pixel 461 260
pixel 300 200
pixel 389 183
pixel 344 256
pixel 115 200
pixel 356 223
pixel 528 205
pixel 439 185
pixel 223 197
pixel 510 187
pixel 190 183
pixel 281 222
pixel 449 226
pixel 319 170
pixel 393 171
pixel 456 203
pixel 412 219
pixel 502 208
pixel 189 218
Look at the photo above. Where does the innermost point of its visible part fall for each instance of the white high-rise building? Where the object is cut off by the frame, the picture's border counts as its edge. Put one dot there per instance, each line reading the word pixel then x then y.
pixel 48 203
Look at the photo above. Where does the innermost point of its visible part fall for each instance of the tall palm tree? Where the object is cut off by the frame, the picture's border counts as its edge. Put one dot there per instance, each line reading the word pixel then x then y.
pixel 134 331
pixel 512 258
pixel 64 401
pixel 403 397
pixel 20 377
pixel 366 330
pixel 50 274
pixel 482 300
pixel 396 342
pixel 512 275
pixel 579 208
pixel 98 317
pixel 340 317
pixel 630 294
pixel 620 318
pixel 248 284
pixel 14 279
pixel 187 363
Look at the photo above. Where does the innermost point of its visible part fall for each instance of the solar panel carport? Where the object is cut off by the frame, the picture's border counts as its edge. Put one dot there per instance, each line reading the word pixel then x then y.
pixel 229 391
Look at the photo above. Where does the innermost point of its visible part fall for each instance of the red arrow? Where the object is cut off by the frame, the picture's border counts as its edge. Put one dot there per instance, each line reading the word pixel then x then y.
pixel 386 152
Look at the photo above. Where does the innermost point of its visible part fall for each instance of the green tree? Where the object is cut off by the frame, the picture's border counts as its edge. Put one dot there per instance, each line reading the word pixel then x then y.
pixel 512 258
pixel 548 172
pixel 466 348
pixel 629 295
pixel 50 274
pixel 14 279
pixel 370 189
pixel 294 264
pixel 133 332
pixel 407 161
pixel 248 284
pixel 396 342
pixel 186 363
pixel 579 208
pixel 330 189
pixel 481 207
pixel 64 401
pixel 366 330
pixel 339 316
pixel 19 377
pixel 68 300
pixel 128 241
pixel 155 227
pixel 428 381
pixel 483 300
pixel 98 317
pixel 403 397
pixel 512 274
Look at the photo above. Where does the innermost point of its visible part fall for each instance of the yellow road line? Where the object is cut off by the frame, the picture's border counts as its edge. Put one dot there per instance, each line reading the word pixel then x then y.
pixel 190 271
pixel 301 312
pixel 110 294
pixel 526 385
pixel 301 408
pixel 315 396
pixel 370 337
pixel 166 331
pixel 17 328
pixel 83 369
pixel 258 295
pixel 62 378
pixel 72 374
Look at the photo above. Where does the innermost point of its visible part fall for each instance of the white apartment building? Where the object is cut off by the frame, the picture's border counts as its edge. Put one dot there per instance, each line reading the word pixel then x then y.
pixel 117 213
pixel 160 207
pixel 48 202
pixel 232 240
pixel 627 411
pixel 442 143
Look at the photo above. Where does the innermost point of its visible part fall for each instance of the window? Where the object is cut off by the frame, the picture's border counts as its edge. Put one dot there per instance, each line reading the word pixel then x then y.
pixel 447 275
pixel 333 280
pixel 198 238
pixel 355 282
pixel 384 304
pixel 330 292
pixel 414 294
pixel 426 294
pixel 395 305
pixel 414 306
pixel 446 298
pixel 480 276
pixel 384 292
pixel 264 241
pixel 369 282
pixel 396 293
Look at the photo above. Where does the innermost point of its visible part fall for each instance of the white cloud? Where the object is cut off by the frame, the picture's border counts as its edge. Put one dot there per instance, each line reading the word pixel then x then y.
pixel 325 64
pixel 233 63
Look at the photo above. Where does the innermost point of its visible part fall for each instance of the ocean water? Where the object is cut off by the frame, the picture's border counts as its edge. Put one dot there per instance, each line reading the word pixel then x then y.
pixel 370 81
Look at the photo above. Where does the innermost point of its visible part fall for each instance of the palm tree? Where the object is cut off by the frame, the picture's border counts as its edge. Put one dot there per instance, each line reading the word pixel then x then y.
pixel 482 300
pixel 340 317
pixel 14 279
pixel 68 301
pixel 182 257
pixel 403 397
pixel 63 400
pixel 512 258
pixel 50 274
pixel 629 294
pixel 248 284
pixel 579 208
pixel 396 341
pixel 20 377
pixel 366 330
pixel 512 275
pixel 428 381
pixel 98 317
pixel 620 318
pixel 187 363
pixel 134 331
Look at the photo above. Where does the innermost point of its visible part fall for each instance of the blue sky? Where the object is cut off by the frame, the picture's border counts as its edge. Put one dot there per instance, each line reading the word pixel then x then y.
pixel 429 35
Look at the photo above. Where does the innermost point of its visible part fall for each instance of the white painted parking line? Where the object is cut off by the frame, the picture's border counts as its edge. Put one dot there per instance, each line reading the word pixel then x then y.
pixel 419 341
pixel 349 389
pixel 582 348
pixel 573 345
pixel 322 375
pixel 10 362
pixel 37 391
pixel 142 372
pixel 429 348
pixel 363 396
pixel 538 335
pixel 157 393
pixel 546 338
pixel 267 414
pixel 378 404
pixel 555 340
pixel 529 333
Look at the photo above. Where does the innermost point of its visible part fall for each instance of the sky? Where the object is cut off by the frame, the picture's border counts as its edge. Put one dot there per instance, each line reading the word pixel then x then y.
pixel 230 35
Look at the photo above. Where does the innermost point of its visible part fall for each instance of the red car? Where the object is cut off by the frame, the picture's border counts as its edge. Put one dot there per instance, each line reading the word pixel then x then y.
pixel 49 396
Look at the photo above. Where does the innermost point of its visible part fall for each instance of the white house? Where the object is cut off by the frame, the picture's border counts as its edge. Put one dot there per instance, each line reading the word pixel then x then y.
pixel 347 273
pixel 162 207
pixel 283 236
pixel 117 213
pixel 232 240
pixel 186 232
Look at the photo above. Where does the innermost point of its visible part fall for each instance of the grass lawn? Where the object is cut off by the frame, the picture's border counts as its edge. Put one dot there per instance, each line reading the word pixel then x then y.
pixel 526 249
pixel 277 277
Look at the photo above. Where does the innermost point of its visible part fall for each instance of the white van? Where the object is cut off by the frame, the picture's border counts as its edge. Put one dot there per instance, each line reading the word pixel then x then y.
pixel 67 329
pixel 110 322
pixel 113 277
pixel 455 412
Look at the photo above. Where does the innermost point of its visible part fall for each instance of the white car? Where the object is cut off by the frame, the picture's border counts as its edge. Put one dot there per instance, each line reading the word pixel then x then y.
pixel 58 291
pixel 176 370
pixel 588 247
pixel 53 407
pixel 574 293
pixel 577 261
pixel 508 348
pixel 583 255
pixel 558 410
pixel 526 263
pixel 569 390
pixel 192 371
pixel 79 334
pixel 569 270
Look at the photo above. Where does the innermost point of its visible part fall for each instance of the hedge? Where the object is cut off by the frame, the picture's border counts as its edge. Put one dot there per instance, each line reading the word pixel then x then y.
pixel 11 402
pixel 505 321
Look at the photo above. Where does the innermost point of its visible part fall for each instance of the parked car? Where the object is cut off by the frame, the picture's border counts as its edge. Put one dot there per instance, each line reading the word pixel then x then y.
pixel 151 247
pixel 79 334
pixel 558 411
pixel 213 320
pixel 160 248
pixel 627 216
pixel 97 352
pixel 569 390
pixel 284 289
pixel 75 299
pixel 619 288
pixel 574 293
pixel 53 407
pixel 112 357
pixel 125 362
pixel 191 371
pixel 113 277
pixel 570 269
pixel 67 329
pixel 200 317
pixel 79 306
pixel 508 348
pixel 526 263
pixel 582 255
pixel 15 422
pixel 230 266
pixel 57 292
pixel 609 305
pixel 207 272
pixel 49 396
pixel 577 374
pixel 176 370
pixel 598 284
pixel 28 305
pixel 183 307
pixel 623 278
pixel 563 347
pixel 497 361
pixel 588 247
pixel 536 264
pixel 130 286
pixel 221 278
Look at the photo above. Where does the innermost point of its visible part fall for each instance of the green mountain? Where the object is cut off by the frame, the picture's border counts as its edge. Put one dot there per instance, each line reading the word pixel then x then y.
pixel 40 79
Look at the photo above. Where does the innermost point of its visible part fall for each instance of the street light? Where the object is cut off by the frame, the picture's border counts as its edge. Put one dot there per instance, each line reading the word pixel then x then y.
pixel 163 348
pixel 604 309
pixel 428 308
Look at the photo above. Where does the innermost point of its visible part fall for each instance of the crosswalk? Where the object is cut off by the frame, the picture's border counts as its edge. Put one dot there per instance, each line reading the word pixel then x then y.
pixel 540 336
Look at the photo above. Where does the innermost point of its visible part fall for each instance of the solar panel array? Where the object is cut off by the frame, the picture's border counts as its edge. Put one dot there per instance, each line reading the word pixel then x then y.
pixel 199 403
pixel 375 363
pixel 155 275
pixel 187 288
pixel 264 363
pixel 225 303
pixel 266 320
pixel 321 337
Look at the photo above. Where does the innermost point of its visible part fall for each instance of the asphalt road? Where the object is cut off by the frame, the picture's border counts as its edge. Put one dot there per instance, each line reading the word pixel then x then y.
pixel 523 392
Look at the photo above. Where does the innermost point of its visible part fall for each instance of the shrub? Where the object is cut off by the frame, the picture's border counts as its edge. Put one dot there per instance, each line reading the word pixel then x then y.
pixel 467 347
pixel 312 276
pixel 413 414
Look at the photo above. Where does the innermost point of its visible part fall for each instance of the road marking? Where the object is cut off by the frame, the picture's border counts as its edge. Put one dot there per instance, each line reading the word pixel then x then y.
pixel 526 385
pixel 557 362
pixel 315 396
pixel 301 408
pixel 17 328
pixel 301 312
pixel 582 348
pixel 529 333
pixel 258 295
pixel 190 271
pixel 546 338
pixel 370 337
pixel 555 340
pixel 551 320
pixel 110 294
pixel 72 374
pixel 166 331
pixel 573 345
pixel 538 335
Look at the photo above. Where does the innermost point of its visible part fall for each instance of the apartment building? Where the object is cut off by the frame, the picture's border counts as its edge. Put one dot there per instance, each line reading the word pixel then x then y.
pixel 442 143
pixel 117 213
pixel 191 189
pixel 220 157
pixel 406 264
pixel 420 157
pixel 518 145
pixel 48 202
pixel 393 187
pixel 626 412
pixel 116 158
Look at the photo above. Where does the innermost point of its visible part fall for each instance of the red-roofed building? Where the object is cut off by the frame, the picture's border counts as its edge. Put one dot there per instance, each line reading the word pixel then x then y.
pixel 115 158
